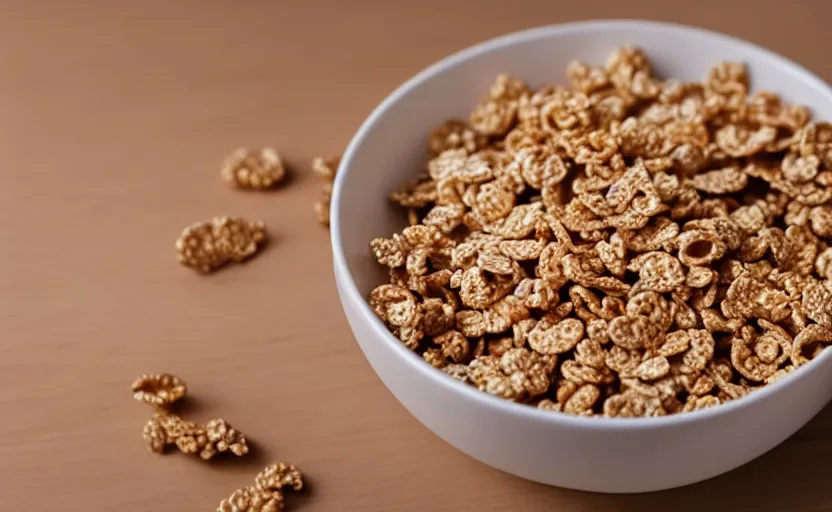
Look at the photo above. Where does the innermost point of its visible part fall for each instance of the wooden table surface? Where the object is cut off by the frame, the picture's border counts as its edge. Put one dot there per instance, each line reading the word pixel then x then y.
pixel 114 118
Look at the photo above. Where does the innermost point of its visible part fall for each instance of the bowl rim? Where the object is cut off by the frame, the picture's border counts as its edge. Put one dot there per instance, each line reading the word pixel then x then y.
pixel 349 290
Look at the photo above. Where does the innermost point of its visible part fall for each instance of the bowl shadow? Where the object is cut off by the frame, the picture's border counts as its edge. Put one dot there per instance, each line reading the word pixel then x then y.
pixel 791 477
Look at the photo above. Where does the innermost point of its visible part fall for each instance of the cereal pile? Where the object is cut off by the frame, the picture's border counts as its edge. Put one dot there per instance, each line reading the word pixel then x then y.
pixel 625 247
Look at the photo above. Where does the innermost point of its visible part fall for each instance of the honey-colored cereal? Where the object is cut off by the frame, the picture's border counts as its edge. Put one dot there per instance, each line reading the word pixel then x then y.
pixel 253 169
pixel 209 245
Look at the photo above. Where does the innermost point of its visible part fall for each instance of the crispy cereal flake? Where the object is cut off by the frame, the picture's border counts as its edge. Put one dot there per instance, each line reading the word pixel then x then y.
pixel 159 389
pixel 267 493
pixel 549 337
pixel 326 168
pixel 165 430
pixel 155 436
pixel 224 438
pixel 253 169
pixel 207 246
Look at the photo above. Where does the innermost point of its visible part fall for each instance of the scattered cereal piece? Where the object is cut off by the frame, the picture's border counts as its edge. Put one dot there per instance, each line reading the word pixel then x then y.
pixel 322 212
pixel 253 169
pixel 267 493
pixel 629 247
pixel 209 245
pixel 280 475
pixel 165 429
pixel 224 438
pixel 251 499
pixel 155 436
pixel 326 168
pixel 158 389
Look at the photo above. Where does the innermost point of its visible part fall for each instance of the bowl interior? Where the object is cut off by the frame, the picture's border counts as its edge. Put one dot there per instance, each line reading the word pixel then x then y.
pixel 390 148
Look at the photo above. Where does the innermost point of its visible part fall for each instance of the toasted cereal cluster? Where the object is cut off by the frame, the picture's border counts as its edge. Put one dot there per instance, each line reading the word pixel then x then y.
pixel 158 389
pixel 165 429
pixel 266 495
pixel 326 169
pixel 253 169
pixel 207 246
pixel 625 247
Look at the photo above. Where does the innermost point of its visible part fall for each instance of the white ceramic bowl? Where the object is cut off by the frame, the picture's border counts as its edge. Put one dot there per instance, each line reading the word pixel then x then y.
pixel 594 454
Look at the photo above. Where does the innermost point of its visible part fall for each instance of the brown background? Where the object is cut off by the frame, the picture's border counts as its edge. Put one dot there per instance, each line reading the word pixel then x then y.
pixel 114 117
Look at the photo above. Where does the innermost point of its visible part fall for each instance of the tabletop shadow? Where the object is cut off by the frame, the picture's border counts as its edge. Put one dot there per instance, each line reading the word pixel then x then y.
pixel 791 477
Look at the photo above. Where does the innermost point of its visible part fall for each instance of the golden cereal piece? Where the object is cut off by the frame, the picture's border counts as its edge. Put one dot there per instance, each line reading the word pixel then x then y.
pixel 823 264
pixel 326 168
pixel 723 181
pixel 582 399
pixel 493 117
pixel 206 246
pixel 224 438
pixel 630 246
pixel 158 389
pixel 454 345
pixel 251 499
pixel 585 78
pixel 516 374
pixel 548 405
pixel 322 212
pixel 581 373
pixel 694 403
pixel 631 404
pixel 457 371
pixel 155 436
pixel 634 332
pixel 416 194
pixel 551 338
pixel 266 495
pixel 652 369
pixel 438 319
pixel 253 169
pixel 445 218
pixel 164 430
pixel 652 305
pixel 590 353
pixel 815 336
pixel 455 134
pixel 279 476
pixel 759 356
pixel 434 357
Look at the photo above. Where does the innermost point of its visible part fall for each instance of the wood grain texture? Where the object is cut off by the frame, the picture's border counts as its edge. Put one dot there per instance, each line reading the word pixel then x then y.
pixel 114 118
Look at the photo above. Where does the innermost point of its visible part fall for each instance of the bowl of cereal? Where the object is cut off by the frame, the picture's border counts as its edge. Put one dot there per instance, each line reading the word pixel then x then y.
pixel 614 279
